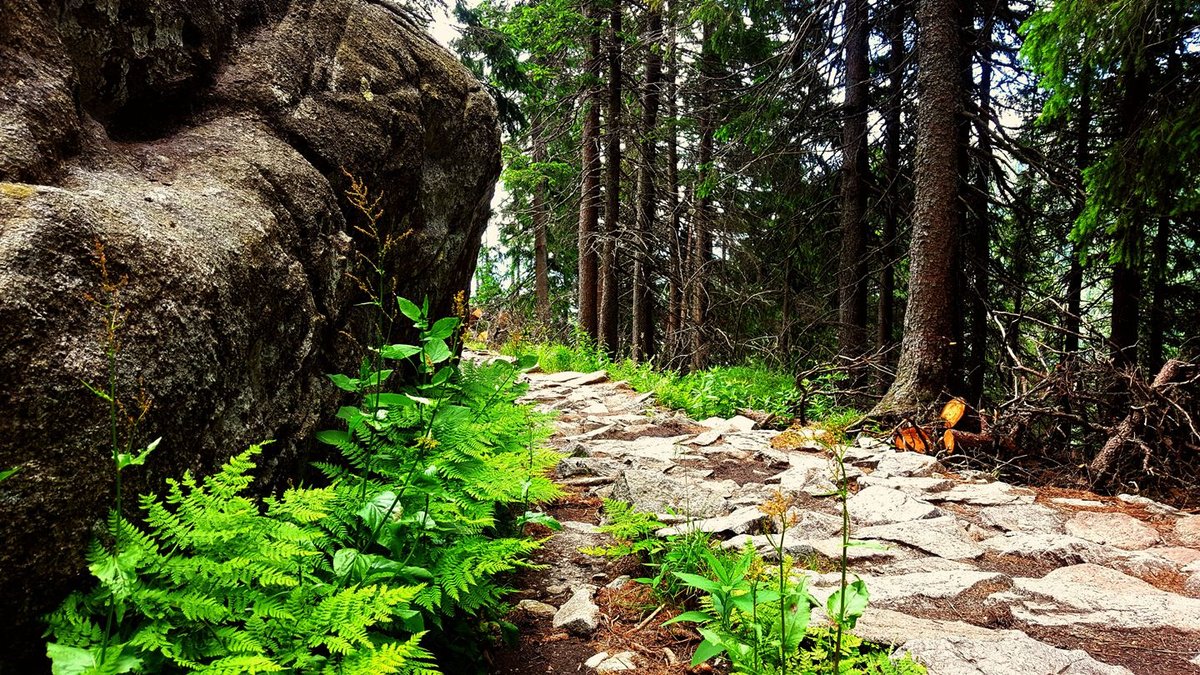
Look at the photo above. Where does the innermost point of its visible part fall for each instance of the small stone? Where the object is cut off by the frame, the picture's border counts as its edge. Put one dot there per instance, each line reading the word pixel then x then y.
pixel 556 589
pixel 616 663
pixel 1151 506
pixel 706 438
pixel 619 583
pixel 1115 529
pixel 536 607
pixel 579 615
pixel 591 378
pixel 596 660
pixel 576 526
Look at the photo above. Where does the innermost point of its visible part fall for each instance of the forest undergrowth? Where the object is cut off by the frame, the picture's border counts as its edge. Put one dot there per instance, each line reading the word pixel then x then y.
pixel 393 561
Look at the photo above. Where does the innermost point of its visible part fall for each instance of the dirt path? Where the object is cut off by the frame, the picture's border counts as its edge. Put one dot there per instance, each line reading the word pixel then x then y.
pixel 977 576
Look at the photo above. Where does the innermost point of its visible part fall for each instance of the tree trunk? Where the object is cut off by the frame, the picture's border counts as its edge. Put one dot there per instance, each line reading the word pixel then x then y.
pixel 1159 290
pixel 609 281
pixel 702 213
pixel 892 205
pixel 981 195
pixel 852 281
pixel 1083 139
pixel 678 271
pixel 589 201
pixel 541 262
pixel 641 344
pixel 926 352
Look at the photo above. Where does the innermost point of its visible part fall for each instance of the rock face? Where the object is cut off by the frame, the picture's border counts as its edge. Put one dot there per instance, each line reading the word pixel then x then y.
pixel 203 144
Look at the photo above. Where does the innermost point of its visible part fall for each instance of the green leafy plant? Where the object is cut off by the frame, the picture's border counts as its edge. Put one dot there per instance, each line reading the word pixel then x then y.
pixel 219 583
pixel 432 472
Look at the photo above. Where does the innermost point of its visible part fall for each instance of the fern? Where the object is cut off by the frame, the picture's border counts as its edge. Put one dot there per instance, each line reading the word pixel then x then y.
pixel 217 585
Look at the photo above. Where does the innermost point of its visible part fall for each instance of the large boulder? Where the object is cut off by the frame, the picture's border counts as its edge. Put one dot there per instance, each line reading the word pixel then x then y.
pixel 203 144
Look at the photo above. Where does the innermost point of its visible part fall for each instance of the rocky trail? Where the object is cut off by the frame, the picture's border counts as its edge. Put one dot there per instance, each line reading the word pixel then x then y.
pixel 974 575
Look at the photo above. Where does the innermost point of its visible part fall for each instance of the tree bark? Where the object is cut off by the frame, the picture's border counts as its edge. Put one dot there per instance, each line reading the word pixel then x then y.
pixel 678 272
pixel 1083 139
pixel 852 282
pixel 702 213
pixel 926 350
pixel 981 196
pixel 1159 290
pixel 541 262
pixel 609 281
pixel 589 202
pixel 892 200
pixel 642 340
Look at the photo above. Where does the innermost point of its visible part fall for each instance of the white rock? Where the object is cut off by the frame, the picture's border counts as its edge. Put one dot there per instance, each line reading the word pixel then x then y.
pixel 616 663
pixel 596 660
pixel 984 494
pixel 706 438
pixel 914 486
pixel 1082 503
pixel 942 536
pixel 596 409
pixel 586 528
pixel 1092 594
pixel 1028 518
pixel 653 492
pixel 1007 652
pixel 536 607
pixel 877 505
pixel 579 615
pixel 739 522
pixel 1115 529
pixel 943 585
pixel 905 464
pixel 1188 530
pixel 1151 506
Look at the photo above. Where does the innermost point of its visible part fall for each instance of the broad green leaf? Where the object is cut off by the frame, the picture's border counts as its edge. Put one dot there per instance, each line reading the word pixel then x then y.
pixel 526 362
pixel 66 660
pixel 398 351
pixel 856 598
pixel 437 351
pixel 8 473
pixel 696 616
pixel 345 383
pixel 443 328
pixel 407 308
pixel 697 581
pixel 335 438
pixel 377 509
pixel 707 649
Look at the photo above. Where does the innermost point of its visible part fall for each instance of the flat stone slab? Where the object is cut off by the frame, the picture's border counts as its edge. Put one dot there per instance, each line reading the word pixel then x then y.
pixel 1007 652
pixel 894 589
pixel 913 486
pixel 741 521
pixel 1115 529
pixel 1029 518
pixel 905 464
pixel 942 536
pixel 984 494
pixel 653 492
pixel 1093 594
pixel 878 505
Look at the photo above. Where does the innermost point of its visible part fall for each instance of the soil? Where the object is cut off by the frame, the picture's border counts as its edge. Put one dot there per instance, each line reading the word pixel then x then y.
pixel 740 471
